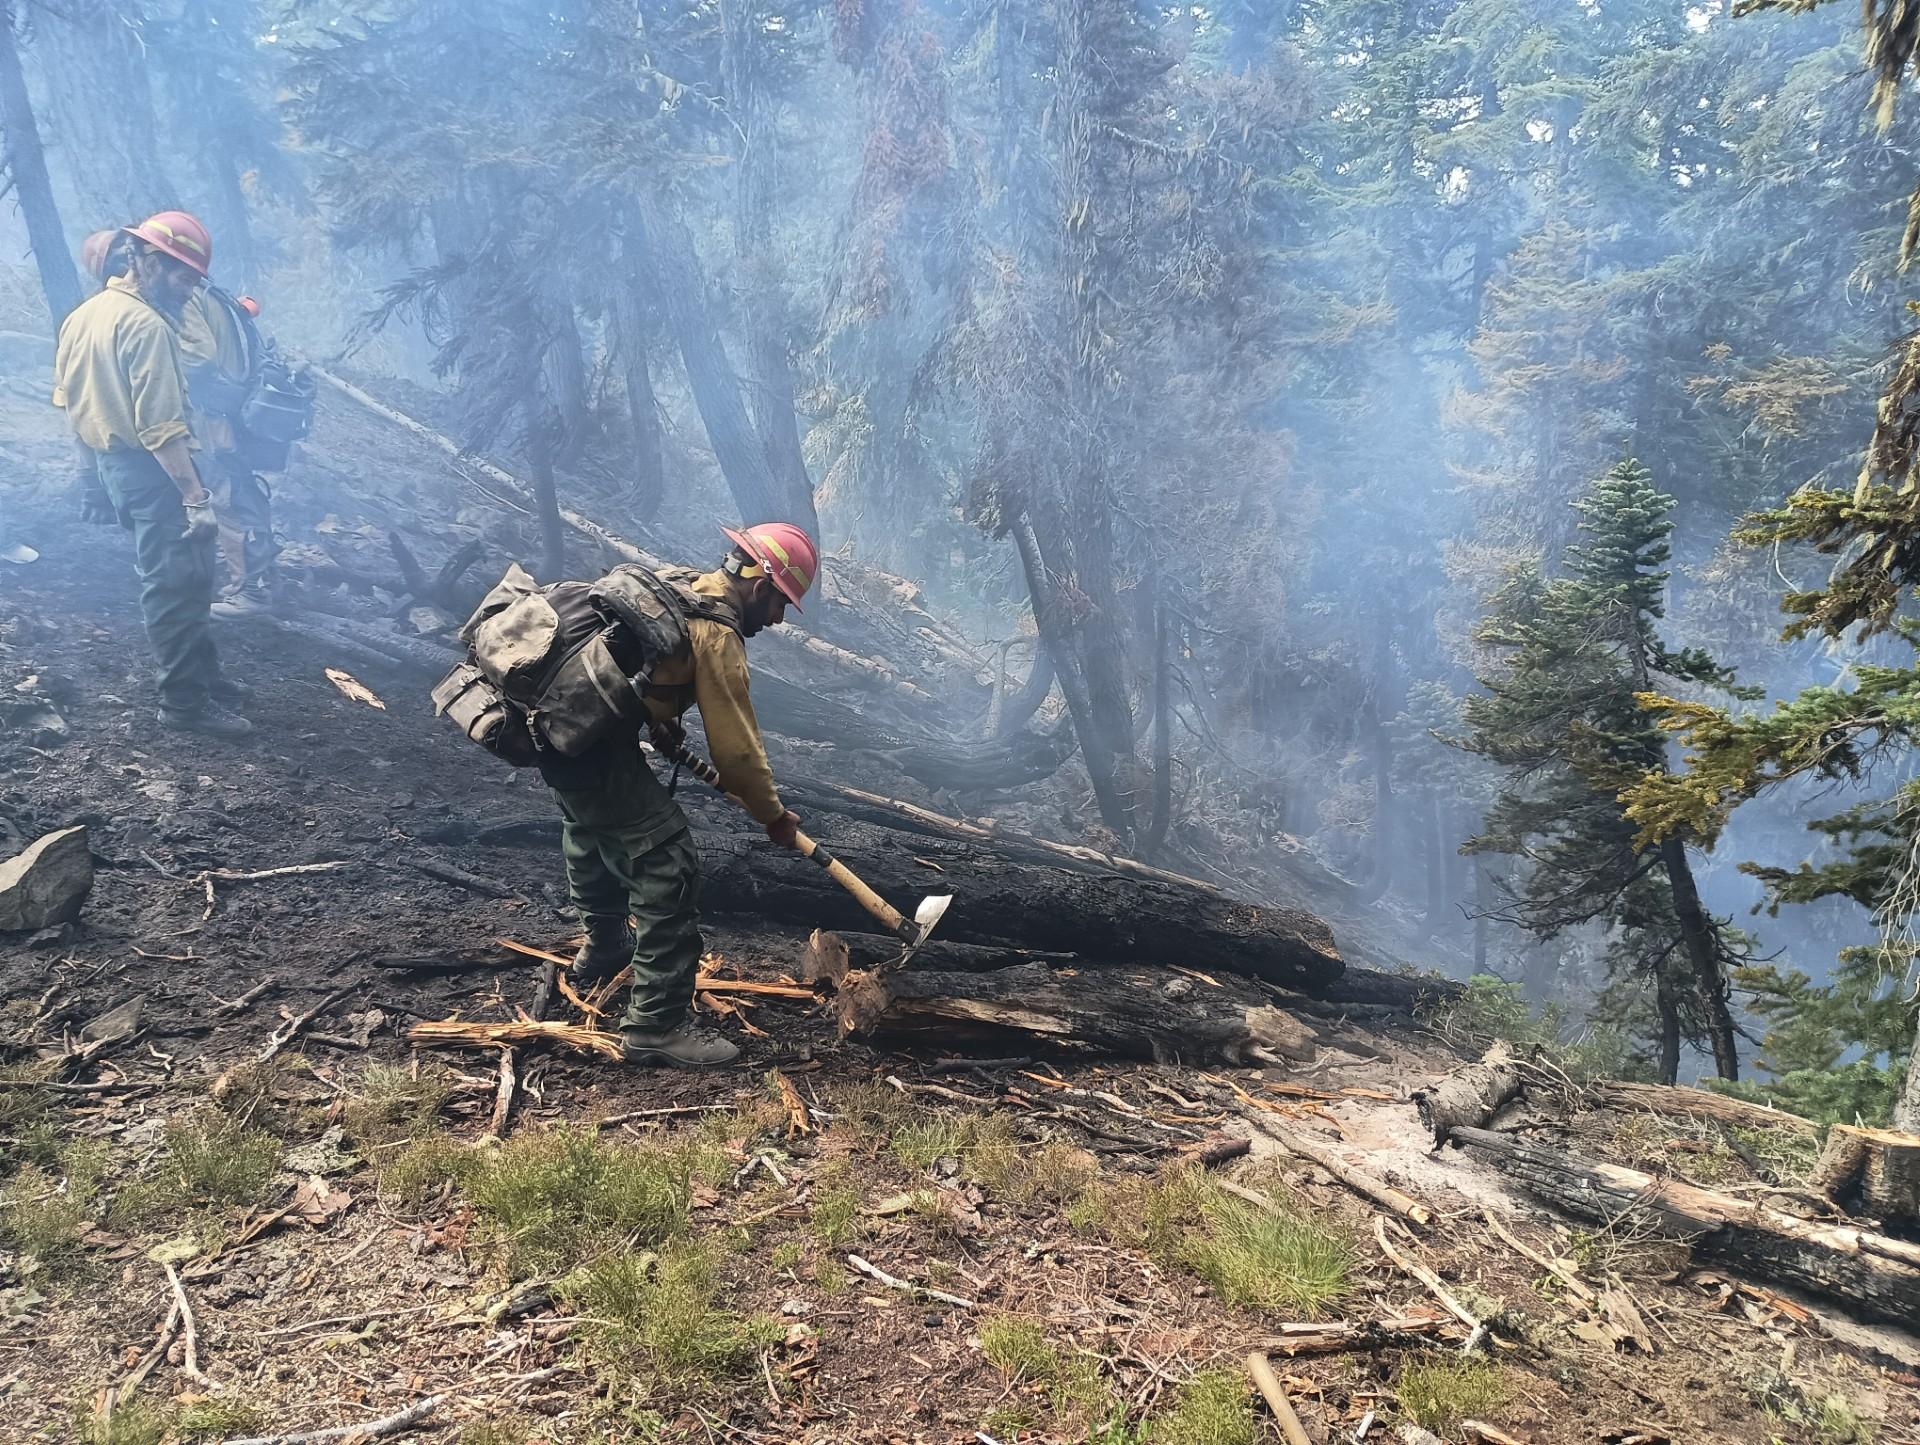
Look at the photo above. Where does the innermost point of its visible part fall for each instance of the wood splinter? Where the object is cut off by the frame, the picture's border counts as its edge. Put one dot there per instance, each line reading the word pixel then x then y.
pixel 1476 1328
pixel 874 1272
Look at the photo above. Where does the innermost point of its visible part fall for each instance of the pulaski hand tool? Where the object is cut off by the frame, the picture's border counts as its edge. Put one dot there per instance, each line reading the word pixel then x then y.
pixel 912 932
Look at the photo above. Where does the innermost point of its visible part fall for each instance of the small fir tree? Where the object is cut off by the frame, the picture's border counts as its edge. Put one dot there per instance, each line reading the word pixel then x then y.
pixel 1558 715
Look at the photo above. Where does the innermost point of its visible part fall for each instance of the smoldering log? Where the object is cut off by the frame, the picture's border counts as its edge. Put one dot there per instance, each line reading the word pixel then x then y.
pixel 1047 907
pixel 1469 1096
pixel 1865 1274
pixel 1137 1011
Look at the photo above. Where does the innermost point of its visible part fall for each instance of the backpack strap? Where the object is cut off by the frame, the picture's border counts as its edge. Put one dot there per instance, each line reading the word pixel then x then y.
pixel 698 604
pixel 249 333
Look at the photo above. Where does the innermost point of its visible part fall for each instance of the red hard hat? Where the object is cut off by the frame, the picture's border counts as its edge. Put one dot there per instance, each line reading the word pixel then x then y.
pixel 785 553
pixel 93 251
pixel 248 305
pixel 180 235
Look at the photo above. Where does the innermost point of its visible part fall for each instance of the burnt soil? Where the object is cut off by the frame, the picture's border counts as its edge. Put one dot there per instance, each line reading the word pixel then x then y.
pixel 374 1300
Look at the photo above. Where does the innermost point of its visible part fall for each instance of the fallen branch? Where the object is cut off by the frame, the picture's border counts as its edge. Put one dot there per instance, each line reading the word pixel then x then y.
pixel 190 1364
pixel 232 875
pixel 1264 1380
pixel 874 1272
pixel 282 1036
pixel 447 873
pixel 235 1005
pixel 1330 1339
pixel 399 1424
pixel 452 1033
pixel 130 1383
pixel 1358 1180
pixel 1475 1327
pixel 1552 1266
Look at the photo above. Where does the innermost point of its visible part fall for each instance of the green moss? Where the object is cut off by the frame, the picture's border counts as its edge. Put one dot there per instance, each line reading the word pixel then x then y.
pixel 551 1200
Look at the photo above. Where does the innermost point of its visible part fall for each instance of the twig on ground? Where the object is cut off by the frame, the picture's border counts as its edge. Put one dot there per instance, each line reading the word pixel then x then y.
pixel 1552 1266
pixel 1431 1280
pixel 235 875
pixel 1359 1181
pixel 235 1005
pixel 958 1066
pixel 136 1377
pixel 1265 1381
pixel 1333 1338
pixel 360 1319
pixel 282 1036
pixel 407 1419
pixel 613 1120
pixel 190 1365
pixel 874 1272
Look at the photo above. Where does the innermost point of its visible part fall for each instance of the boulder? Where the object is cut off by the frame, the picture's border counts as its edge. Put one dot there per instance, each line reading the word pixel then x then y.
pixel 46 884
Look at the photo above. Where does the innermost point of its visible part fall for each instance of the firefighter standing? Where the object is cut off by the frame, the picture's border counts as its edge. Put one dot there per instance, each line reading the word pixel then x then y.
pixel 222 350
pixel 119 376
pixel 627 845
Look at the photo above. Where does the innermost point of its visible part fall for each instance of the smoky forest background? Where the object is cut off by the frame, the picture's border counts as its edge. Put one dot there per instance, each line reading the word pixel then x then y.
pixel 1461 446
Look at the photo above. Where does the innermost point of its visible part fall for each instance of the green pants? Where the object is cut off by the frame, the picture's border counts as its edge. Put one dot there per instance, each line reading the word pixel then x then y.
pixel 243 507
pixel 628 849
pixel 176 576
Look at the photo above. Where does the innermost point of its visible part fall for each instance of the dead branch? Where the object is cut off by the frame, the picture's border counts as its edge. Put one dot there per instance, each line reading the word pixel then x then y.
pixel 1475 1327
pixel 408 1419
pixel 1358 1180
pixel 1264 1380
pixel 1552 1266
pixel 190 1366
pixel 503 1094
pixel 1695 1104
pixel 874 1272
pixel 1328 1339
pixel 452 1033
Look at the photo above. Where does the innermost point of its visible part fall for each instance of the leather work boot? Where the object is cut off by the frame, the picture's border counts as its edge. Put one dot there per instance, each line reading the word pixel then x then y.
pixel 247 602
pixel 213 720
pixel 229 692
pixel 690 1046
pixel 608 949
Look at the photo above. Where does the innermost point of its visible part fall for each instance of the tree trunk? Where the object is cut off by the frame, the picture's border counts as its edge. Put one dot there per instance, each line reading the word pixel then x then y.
pixel 1703 953
pixel 1381 752
pixel 1017 710
pixel 1053 634
pixel 1697 1104
pixel 632 334
pixel 553 531
pixel 564 372
pixel 100 109
pixel 1667 1003
pixel 1437 861
pixel 1867 1275
pixel 1482 902
pixel 25 164
pixel 682 288
pixel 1162 739
pixel 1906 1112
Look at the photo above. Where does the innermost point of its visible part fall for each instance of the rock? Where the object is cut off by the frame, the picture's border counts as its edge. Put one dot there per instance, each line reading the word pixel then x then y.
pixel 58 936
pixel 47 883
pixel 34 719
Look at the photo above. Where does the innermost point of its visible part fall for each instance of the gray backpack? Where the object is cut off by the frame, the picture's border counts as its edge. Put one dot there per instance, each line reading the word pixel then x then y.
pixel 557 669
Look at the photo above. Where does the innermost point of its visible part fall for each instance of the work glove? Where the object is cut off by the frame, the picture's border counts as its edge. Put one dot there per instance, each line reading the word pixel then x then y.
pixel 785 829
pixel 201 525
pixel 95 505
pixel 667 738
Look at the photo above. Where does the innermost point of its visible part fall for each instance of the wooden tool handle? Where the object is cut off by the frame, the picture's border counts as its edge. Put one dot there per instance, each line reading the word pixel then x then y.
pixel 849 880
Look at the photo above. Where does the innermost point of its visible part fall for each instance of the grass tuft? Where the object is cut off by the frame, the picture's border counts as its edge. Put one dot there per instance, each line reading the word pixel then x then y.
pixel 1212 1408
pixel 1270 1261
pixel 655 1315
pixel 1437 1394
pixel 1020 1349
pixel 393 1104
pixel 552 1200
pixel 924 1142
pixel 213 1158
pixel 43 1205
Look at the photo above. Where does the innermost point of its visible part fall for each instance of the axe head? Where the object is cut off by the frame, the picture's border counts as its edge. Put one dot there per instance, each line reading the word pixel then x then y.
pixel 925 919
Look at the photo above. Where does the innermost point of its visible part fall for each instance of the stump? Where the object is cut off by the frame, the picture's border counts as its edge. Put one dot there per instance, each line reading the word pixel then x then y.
pixel 1875 1172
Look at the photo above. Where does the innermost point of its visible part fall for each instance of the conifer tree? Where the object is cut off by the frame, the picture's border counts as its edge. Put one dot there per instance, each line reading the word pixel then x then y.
pixel 1558 714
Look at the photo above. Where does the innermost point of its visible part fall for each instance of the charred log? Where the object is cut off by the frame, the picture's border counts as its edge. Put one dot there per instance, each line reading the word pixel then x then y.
pixel 1471 1096
pixel 1865 1274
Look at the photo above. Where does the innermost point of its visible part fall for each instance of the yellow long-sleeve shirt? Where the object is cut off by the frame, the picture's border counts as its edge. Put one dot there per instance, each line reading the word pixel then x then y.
pixel 117 372
pixel 713 678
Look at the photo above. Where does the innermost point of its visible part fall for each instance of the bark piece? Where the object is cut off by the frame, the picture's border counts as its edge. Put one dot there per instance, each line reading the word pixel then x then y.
pixel 1866 1274
pixel 46 884
pixel 1134 1011
pixel 1871 1171
pixel 1469 1096
pixel 1696 1104
pixel 1003 900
